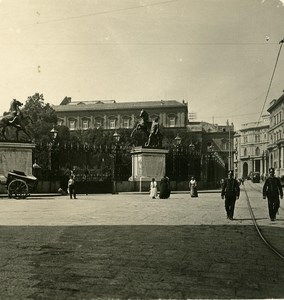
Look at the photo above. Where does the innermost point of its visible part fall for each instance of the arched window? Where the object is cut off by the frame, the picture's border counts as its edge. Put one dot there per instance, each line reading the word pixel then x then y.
pixel 99 122
pixel 85 123
pixel 72 124
pixel 112 122
pixel 126 122
pixel 257 151
pixel 172 120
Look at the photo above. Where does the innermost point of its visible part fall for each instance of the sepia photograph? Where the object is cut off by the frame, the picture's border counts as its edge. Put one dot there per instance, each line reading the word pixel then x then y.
pixel 141 149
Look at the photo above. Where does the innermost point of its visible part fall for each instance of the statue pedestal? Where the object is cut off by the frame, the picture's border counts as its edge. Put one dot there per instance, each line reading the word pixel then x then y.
pixel 148 163
pixel 16 156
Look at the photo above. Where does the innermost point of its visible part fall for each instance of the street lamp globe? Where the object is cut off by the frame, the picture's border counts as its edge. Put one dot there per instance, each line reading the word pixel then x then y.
pixel 177 140
pixel 54 133
pixel 116 137
pixel 191 146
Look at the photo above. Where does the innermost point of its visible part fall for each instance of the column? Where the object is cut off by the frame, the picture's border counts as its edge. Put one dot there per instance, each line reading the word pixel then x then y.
pixel 118 125
pixel 182 119
pixel 282 156
pixel 106 126
pixel 261 165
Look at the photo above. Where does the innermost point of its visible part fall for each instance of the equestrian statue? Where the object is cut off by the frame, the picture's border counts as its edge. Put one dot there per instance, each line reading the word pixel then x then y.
pixel 14 119
pixel 150 128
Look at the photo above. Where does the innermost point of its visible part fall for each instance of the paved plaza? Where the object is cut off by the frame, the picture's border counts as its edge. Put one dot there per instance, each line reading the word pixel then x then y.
pixel 130 246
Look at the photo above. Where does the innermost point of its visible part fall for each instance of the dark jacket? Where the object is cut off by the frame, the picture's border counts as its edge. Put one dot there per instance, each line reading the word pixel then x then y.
pixel 230 188
pixel 272 188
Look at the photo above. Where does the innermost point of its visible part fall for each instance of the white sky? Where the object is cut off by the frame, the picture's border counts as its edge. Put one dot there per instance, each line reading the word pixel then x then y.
pixel 212 53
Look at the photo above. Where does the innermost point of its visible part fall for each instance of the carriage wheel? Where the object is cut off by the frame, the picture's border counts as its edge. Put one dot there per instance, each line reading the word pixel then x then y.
pixel 18 189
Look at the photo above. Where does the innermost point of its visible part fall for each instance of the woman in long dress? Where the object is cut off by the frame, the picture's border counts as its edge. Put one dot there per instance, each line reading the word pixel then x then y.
pixel 193 187
pixel 165 190
pixel 153 188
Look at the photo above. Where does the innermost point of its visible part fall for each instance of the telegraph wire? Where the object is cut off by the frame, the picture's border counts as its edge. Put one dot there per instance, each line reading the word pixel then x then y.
pixel 139 44
pixel 107 12
pixel 96 13
pixel 270 83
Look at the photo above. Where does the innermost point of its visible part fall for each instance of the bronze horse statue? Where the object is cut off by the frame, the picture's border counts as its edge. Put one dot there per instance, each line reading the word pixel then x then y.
pixel 144 124
pixel 150 128
pixel 14 119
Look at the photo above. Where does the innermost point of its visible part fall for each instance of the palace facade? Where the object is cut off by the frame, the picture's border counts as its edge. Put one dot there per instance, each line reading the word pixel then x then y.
pixel 110 114
pixel 208 156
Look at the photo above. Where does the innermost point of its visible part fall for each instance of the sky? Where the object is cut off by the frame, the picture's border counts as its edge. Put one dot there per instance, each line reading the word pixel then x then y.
pixel 218 55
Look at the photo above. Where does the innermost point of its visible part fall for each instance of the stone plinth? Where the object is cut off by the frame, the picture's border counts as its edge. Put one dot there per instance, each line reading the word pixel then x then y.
pixel 148 163
pixel 16 156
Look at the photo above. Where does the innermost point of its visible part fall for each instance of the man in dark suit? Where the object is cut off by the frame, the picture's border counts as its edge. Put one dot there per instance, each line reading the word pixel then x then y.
pixel 231 192
pixel 272 189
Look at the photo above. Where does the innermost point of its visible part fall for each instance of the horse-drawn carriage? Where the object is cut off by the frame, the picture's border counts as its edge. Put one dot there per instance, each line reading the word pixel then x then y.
pixel 19 185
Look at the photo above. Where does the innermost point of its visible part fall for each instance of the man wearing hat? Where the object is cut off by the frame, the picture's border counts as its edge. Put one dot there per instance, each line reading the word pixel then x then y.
pixel 272 189
pixel 231 192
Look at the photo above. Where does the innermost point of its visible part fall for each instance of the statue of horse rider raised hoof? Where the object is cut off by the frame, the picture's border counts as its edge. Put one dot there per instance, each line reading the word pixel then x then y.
pixel 150 128
pixel 155 137
pixel 15 119
pixel 15 110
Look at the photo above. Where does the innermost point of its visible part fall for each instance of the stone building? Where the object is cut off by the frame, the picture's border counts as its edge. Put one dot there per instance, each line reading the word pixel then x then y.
pixel 276 135
pixel 216 150
pixel 109 114
pixel 250 147
pixel 210 153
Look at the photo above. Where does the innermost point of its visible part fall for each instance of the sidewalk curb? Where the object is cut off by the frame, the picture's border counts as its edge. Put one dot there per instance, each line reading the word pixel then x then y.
pixel 119 193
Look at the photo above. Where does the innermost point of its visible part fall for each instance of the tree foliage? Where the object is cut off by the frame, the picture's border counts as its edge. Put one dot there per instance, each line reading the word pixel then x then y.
pixel 43 117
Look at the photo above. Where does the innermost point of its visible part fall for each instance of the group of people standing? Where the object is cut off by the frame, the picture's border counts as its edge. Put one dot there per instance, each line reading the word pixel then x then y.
pixel 165 190
pixel 271 190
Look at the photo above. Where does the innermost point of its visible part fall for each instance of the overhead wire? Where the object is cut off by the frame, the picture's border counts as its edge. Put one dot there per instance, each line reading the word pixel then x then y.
pixel 97 13
pixel 272 76
pixel 109 11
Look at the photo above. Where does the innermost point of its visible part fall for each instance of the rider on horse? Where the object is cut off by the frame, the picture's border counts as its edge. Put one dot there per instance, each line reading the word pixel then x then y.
pixel 154 132
pixel 15 110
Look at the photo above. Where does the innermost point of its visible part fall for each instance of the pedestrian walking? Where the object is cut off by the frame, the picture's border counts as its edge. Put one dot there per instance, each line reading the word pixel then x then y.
pixel 153 188
pixel 231 192
pixel 165 190
pixel 272 189
pixel 71 187
pixel 193 187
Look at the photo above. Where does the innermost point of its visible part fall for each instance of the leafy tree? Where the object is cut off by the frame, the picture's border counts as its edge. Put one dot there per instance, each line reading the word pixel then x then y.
pixel 43 117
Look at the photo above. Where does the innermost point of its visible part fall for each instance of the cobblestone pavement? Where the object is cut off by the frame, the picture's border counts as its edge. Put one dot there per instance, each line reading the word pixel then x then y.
pixel 130 246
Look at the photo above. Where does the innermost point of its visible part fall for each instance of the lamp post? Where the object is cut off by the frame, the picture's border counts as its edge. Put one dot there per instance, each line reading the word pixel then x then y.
pixel 210 165
pixel 116 137
pixel 177 150
pixel 191 165
pixel 53 132
pixel 51 145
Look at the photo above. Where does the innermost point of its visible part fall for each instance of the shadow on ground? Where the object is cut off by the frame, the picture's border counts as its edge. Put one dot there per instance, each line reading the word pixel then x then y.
pixel 90 262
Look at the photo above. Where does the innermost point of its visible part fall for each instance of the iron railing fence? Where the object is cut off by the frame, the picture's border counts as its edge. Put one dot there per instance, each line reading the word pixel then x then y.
pixel 97 162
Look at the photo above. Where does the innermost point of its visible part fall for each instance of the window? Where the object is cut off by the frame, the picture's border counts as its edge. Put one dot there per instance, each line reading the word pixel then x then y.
pixel 257 151
pixel 225 144
pixel 60 122
pixel 245 152
pixel 171 120
pixel 126 123
pixel 112 123
pixel 99 123
pixel 85 124
pixel 72 124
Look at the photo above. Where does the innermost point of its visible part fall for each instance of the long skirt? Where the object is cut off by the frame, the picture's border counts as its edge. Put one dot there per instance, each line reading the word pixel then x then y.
pixel 153 192
pixel 193 192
